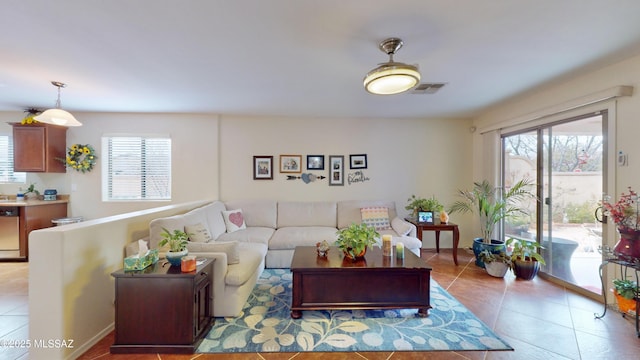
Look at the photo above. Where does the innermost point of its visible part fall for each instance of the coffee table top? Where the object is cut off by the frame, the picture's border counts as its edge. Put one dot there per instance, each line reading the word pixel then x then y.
pixel 306 257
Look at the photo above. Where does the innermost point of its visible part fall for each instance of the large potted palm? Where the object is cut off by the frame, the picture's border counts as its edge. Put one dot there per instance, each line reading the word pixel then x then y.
pixel 492 205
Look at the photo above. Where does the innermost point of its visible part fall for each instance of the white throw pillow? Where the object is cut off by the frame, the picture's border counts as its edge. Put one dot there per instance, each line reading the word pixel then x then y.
pixel 234 220
pixel 228 247
pixel 198 233
pixel 400 226
pixel 378 217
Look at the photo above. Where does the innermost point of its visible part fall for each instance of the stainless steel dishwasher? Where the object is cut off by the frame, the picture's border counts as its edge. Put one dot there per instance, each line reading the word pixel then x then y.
pixel 9 236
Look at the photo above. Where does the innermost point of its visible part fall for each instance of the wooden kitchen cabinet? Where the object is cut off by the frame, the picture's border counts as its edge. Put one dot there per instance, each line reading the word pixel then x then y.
pixel 34 217
pixel 38 148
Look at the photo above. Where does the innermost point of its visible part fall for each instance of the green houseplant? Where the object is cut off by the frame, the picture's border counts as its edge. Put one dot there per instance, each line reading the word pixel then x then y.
pixel 492 205
pixel 625 293
pixel 421 204
pixel 525 259
pixel 354 239
pixel 177 241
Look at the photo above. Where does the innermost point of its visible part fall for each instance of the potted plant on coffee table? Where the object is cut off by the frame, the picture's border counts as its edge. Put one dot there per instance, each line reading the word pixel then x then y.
pixel 525 259
pixel 492 205
pixel 354 239
pixel 177 241
pixel 496 265
pixel 626 295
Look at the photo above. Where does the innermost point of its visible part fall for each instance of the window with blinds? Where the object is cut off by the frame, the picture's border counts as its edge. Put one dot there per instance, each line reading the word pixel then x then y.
pixel 6 162
pixel 136 168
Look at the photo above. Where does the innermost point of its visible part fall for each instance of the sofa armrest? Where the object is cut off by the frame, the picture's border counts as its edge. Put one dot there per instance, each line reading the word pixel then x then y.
pixel 413 230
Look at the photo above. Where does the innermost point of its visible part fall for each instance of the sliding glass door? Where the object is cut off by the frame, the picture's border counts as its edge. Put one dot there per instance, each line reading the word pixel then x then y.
pixel 567 160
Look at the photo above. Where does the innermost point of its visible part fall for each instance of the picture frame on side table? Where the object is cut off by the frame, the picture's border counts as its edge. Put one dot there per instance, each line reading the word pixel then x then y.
pixel 263 168
pixel 336 170
pixel 358 161
pixel 425 217
pixel 315 162
pixel 290 163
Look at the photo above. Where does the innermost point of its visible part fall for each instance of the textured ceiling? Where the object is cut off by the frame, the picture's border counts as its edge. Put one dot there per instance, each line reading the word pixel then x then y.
pixel 298 58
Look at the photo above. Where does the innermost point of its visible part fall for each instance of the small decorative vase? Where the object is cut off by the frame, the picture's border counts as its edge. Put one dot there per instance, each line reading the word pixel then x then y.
pixel 175 258
pixel 628 247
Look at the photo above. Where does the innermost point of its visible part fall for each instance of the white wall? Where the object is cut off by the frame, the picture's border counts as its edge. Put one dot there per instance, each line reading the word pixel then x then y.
pixel 194 159
pixel 404 157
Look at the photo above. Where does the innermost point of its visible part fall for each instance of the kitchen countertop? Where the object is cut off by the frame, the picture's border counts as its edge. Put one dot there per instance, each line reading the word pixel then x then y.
pixel 61 199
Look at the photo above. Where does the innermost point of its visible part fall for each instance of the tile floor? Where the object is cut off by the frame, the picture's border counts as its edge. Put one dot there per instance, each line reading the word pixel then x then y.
pixel 539 319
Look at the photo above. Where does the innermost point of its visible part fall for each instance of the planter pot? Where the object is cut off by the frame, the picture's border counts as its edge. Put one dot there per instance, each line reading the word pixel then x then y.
pixel 628 247
pixel 358 256
pixel 627 306
pixel 175 258
pixel 495 247
pixel 496 269
pixel 526 270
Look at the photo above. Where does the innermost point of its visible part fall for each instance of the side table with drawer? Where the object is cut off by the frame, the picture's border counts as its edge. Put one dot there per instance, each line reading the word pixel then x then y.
pixel 161 309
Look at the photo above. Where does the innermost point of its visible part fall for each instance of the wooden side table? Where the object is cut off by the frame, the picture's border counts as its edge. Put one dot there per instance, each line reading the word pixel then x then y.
pixel 161 309
pixel 437 227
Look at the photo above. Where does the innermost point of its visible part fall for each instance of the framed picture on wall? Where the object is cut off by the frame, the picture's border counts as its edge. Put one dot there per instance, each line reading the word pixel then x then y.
pixel 358 161
pixel 336 170
pixel 290 163
pixel 315 162
pixel 263 168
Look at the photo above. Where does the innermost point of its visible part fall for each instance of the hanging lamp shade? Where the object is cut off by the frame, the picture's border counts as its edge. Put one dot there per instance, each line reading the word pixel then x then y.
pixel 391 77
pixel 57 116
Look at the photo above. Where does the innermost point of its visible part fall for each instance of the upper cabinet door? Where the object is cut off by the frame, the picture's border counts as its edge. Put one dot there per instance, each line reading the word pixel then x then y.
pixel 39 148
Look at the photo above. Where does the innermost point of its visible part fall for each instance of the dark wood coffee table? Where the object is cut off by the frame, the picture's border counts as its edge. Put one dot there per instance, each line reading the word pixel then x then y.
pixel 376 282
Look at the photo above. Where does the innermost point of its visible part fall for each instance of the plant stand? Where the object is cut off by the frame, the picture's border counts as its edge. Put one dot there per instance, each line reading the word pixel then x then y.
pixel 626 265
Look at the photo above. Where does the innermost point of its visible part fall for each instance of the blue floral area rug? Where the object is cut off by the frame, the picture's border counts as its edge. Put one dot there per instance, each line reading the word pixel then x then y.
pixel 265 325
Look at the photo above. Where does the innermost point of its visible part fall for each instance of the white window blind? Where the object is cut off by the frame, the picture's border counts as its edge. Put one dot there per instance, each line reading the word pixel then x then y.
pixel 6 162
pixel 137 168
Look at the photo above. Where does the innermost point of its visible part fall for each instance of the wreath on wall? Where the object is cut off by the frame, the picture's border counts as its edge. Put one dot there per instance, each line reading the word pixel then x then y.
pixel 81 157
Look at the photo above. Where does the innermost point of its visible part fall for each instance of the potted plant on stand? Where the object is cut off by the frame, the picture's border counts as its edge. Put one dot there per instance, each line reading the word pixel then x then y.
pixel 626 215
pixel 625 292
pixel 525 259
pixel 491 205
pixel 421 204
pixel 354 239
pixel 177 241
pixel 496 265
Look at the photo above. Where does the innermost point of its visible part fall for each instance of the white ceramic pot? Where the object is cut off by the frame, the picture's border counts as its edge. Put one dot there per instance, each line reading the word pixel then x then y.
pixel 496 268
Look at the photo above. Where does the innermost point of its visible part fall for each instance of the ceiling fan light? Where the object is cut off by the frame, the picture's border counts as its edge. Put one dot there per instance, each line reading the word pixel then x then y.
pixel 391 78
pixel 57 117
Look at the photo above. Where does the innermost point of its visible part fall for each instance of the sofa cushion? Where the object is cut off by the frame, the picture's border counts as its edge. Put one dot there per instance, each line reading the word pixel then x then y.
pixel 251 256
pixel 307 213
pixel 289 237
pixel 171 223
pixel 228 247
pixel 256 212
pixel 376 216
pixel 198 233
pixel 234 220
pixel 213 213
pixel 259 235
pixel 400 226
pixel 349 211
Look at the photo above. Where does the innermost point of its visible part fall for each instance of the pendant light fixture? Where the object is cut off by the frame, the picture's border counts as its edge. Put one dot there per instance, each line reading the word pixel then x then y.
pixel 57 116
pixel 391 77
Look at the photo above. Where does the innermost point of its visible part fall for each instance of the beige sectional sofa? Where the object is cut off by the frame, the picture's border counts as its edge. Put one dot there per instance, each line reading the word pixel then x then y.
pixel 267 238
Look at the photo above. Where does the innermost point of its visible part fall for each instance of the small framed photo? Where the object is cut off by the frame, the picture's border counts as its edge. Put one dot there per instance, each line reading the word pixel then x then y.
pixel 425 217
pixel 315 162
pixel 336 170
pixel 290 163
pixel 358 161
pixel 263 168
